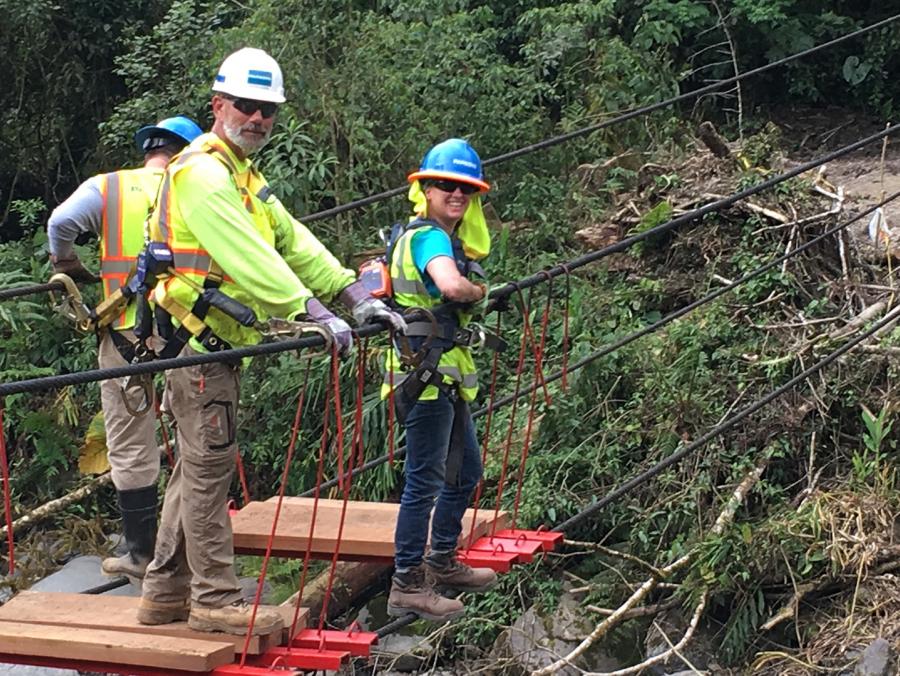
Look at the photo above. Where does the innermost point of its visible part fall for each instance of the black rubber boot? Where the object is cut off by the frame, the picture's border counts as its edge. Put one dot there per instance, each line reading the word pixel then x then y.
pixel 139 507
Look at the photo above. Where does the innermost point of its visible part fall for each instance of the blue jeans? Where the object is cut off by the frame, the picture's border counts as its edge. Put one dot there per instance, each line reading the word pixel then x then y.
pixel 428 431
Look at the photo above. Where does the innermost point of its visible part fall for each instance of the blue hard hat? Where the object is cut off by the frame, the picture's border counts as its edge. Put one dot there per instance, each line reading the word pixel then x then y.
pixel 178 130
pixel 452 159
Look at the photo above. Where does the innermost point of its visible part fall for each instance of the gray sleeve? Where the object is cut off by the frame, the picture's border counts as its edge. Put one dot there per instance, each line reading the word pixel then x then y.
pixel 81 212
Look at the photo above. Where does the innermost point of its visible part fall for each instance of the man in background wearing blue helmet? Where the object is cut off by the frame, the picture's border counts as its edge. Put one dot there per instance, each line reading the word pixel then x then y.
pixel 114 207
pixel 432 259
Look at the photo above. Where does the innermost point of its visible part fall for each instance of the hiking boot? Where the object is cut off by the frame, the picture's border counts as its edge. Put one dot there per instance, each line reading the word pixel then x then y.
pixel 449 573
pixel 412 592
pixel 154 612
pixel 138 507
pixel 234 619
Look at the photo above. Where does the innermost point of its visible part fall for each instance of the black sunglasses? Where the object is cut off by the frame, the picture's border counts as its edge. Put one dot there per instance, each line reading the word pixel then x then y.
pixel 249 106
pixel 451 186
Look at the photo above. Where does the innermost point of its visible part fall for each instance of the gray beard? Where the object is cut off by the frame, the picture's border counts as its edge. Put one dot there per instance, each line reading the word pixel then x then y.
pixel 247 147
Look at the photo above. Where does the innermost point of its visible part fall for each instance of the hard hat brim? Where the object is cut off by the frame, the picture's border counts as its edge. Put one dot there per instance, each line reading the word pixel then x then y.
pixel 152 130
pixel 449 175
pixel 257 95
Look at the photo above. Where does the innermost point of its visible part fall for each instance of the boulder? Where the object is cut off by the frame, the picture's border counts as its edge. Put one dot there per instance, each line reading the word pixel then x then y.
pixel 876 660
pixel 400 653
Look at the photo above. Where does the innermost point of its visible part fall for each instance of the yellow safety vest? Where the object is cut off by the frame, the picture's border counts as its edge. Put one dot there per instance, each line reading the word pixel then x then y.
pixel 456 364
pixel 128 197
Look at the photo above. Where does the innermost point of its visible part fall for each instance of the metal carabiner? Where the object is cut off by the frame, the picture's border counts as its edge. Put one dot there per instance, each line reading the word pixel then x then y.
pixel 71 304
pixel 286 329
pixel 145 382
pixel 479 336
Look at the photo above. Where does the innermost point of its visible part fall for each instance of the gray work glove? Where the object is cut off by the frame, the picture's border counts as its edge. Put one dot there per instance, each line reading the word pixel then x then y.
pixel 343 334
pixel 74 269
pixel 365 308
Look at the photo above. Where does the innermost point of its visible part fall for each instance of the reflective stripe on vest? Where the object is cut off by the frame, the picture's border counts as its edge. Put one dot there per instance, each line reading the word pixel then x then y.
pixel 127 197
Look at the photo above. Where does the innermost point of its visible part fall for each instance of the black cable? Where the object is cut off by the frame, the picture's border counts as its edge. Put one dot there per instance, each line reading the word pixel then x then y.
pixel 159 365
pixel 115 583
pixel 622 117
pixel 609 348
pixel 29 290
pixel 726 425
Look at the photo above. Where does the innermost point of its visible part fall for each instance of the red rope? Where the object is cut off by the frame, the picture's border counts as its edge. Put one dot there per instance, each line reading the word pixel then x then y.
pixel 242 475
pixel 391 410
pixel 7 498
pixel 526 443
pixel 295 432
pixel 486 438
pixel 165 435
pixel 358 445
pixel 512 422
pixel 539 370
pixel 345 486
pixel 565 342
pixel 320 471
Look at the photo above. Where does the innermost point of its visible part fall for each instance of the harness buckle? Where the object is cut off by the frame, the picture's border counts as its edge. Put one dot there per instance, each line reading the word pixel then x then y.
pixel 408 358
pixel 142 353
pixel 70 304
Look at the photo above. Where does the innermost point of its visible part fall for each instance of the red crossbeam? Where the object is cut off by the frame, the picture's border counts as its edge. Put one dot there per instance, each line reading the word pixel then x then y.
pixel 357 643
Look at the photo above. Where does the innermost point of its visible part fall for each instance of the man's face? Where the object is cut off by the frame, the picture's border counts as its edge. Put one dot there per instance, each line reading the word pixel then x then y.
pixel 246 123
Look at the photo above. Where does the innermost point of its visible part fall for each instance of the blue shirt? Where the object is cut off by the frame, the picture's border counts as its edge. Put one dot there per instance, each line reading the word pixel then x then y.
pixel 427 244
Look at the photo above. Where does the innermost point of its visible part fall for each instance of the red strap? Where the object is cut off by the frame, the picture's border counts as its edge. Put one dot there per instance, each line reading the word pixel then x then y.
pixel 526 443
pixel 295 431
pixel 242 476
pixel 7 500
pixel 165 436
pixel 486 438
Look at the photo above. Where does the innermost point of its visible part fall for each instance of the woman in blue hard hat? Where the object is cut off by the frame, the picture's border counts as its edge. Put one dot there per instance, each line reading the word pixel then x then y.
pixel 114 207
pixel 432 262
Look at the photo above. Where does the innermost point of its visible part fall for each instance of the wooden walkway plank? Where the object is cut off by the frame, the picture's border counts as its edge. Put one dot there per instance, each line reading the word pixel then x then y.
pixel 113 647
pixel 119 613
pixel 368 527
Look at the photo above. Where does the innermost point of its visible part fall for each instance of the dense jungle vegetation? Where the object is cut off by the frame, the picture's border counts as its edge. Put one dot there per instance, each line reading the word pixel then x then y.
pixel 370 86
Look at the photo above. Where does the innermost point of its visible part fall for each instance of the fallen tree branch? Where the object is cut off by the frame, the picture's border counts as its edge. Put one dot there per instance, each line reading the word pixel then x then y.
pixel 614 553
pixel 48 509
pixel 726 516
pixel 643 611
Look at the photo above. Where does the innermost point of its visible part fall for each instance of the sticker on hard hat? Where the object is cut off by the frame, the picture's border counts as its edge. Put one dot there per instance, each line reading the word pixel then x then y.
pixel 260 77
pixel 465 163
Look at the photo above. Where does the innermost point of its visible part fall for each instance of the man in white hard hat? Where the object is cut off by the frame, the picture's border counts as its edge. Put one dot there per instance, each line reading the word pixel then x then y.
pixel 114 206
pixel 237 254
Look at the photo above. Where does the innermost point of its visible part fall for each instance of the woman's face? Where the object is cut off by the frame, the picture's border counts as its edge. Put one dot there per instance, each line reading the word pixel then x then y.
pixel 447 207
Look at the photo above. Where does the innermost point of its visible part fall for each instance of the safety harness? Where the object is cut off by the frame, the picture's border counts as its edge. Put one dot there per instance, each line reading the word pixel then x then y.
pixel 425 342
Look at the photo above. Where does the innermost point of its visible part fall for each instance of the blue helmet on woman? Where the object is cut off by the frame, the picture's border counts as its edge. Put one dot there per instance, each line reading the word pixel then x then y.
pixel 178 130
pixel 453 159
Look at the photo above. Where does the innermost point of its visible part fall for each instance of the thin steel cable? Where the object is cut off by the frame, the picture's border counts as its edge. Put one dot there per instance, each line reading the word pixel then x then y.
pixel 618 119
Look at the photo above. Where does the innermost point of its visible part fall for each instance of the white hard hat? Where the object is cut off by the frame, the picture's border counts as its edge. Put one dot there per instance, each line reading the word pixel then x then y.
pixel 250 73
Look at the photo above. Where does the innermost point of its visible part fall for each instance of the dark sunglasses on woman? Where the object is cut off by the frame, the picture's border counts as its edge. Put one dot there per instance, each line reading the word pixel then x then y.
pixel 451 186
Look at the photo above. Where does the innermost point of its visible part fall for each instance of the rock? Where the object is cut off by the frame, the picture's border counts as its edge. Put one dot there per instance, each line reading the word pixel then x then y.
pixel 402 653
pixel 25 670
pixel 700 651
pixel 876 660
pixel 535 641
pixel 82 572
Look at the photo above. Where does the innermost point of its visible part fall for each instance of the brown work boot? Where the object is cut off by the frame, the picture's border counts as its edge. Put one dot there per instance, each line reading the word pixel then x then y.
pixel 449 573
pixel 234 619
pixel 153 612
pixel 411 592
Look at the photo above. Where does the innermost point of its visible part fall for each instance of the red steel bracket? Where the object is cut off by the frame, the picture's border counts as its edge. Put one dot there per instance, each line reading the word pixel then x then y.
pixel 525 548
pixel 496 559
pixel 357 643
pixel 548 539
pixel 299 658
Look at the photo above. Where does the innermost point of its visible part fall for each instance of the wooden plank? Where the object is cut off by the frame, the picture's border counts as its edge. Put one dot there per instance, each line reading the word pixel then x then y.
pixel 118 613
pixel 113 647
pixel 368 527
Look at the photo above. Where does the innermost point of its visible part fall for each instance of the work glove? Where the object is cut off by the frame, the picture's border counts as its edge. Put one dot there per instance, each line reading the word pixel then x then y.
pixel 478 308
pixel 365 308
pixel 74 269
pixel 337 327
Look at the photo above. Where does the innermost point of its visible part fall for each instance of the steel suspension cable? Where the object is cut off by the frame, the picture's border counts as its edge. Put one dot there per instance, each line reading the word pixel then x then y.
pixel 159 365
pixel 650 328
pixel 618 119
pixel 726 425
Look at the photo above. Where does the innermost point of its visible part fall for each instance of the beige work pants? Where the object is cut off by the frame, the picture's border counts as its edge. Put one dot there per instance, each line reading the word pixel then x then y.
pixel 130 440
pixel 194 546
